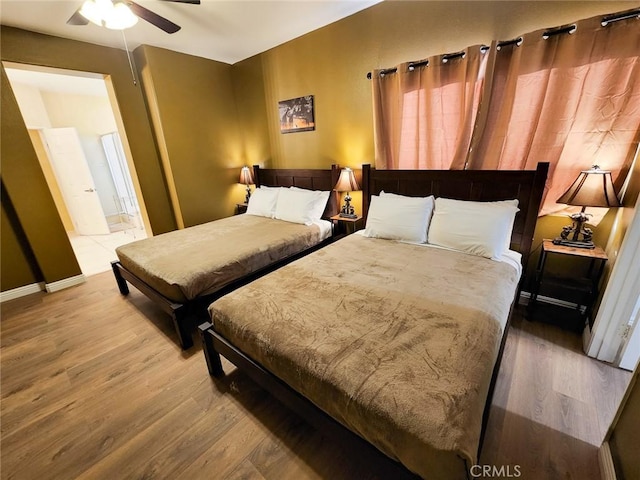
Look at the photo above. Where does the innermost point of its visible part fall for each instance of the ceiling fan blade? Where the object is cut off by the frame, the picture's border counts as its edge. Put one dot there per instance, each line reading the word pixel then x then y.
pixel 153 18
pixel 77 19
pixel 193 2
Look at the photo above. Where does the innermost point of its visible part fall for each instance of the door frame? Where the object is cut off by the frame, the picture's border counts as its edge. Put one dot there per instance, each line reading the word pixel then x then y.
pixel 611 332
pixel 118 120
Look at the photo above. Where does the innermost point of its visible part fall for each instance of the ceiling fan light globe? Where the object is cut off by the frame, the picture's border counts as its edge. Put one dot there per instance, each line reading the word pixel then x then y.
pixel 92 11
pixel 120 17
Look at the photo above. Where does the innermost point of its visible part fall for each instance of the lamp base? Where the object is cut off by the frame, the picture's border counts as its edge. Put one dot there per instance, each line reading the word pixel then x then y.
pixel 573 243
pixel 577 229
pixel 347 211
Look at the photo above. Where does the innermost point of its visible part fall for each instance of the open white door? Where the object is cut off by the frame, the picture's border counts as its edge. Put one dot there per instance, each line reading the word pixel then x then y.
pixel 630 354
pixel 75 180
pixel 615 334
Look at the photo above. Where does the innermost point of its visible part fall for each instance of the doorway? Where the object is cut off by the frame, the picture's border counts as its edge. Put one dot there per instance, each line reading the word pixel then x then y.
pixel 72 124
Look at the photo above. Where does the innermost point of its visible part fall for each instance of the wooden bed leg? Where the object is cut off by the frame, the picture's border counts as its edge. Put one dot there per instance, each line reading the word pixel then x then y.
pixel 181 323
pixel 214 364
pixel 122 283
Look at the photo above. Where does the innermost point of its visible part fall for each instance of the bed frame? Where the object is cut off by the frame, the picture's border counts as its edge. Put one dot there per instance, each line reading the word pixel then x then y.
pixel 526 186
pixel 186 315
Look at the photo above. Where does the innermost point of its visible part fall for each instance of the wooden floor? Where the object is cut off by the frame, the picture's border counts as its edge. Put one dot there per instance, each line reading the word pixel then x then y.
pixel 94 386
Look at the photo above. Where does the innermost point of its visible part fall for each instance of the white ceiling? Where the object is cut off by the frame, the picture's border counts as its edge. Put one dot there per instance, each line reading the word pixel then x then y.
pixel 223 30
pixel 58 81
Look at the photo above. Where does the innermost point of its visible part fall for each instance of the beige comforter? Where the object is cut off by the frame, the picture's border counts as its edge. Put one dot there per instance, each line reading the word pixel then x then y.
pixel 199 260
pixel 395 341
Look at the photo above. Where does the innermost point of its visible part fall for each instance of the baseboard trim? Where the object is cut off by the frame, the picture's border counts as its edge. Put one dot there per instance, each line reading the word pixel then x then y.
pixel 65 283
pixel 586 338
pixel 526 296
pixel 21 291
pixel 605 460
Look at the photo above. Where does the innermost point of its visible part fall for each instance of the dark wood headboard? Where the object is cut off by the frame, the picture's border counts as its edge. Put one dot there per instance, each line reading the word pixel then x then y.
pixel 308 178
pixel 477 185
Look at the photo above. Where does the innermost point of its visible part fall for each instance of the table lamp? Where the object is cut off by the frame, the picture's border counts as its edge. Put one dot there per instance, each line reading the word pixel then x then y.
pixel 247 179
pixel 347 183
pixel 592 188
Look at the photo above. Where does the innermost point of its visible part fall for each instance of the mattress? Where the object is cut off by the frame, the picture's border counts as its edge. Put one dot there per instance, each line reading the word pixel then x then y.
pixel 395 341
pixel 200 260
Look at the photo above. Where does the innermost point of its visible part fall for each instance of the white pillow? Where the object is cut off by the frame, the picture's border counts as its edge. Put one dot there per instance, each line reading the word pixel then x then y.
pixel 262 202
pixel 397 217
pixel 389 194
pixel 500 203
pixel 478 228
pixel 320 201
pixel 295 206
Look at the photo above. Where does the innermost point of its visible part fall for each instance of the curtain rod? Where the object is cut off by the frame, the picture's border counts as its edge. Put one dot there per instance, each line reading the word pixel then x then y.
pixel 505 43
pixel 425 63
pixel 383 72
pixel 570 29
pixel 421 63
pixel 606 20
pixel 451 56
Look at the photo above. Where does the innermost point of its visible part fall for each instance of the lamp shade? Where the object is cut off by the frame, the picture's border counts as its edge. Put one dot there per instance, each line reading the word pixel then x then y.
pixel 245 176
pixel 592 188
pixel 346 181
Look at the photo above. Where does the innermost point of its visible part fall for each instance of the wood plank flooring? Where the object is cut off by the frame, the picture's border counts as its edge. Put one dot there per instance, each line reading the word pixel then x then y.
pixel 94 386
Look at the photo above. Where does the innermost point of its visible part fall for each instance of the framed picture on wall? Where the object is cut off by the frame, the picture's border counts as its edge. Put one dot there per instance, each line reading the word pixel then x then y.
pixel 296 115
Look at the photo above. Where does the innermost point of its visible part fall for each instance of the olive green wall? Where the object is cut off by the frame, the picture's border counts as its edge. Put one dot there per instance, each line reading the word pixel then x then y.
pixel 21 174
pixel 15 265
pixel 29 213
pixel 249 90
pixel 625 436
pixel 193 110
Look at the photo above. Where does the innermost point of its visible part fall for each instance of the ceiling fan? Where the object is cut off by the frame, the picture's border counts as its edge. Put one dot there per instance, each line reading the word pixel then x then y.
pixel 121 14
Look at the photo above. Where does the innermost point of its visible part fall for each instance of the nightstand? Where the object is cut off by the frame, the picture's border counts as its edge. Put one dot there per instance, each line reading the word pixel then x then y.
pixel 346 226
pixel 241 208
pixel 580 290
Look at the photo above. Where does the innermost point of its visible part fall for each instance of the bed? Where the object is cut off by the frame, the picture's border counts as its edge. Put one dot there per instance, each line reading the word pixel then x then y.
pixel 345 335
pixel 185 270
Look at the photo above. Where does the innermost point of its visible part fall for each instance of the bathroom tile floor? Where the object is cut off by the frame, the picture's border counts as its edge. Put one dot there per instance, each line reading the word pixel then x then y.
pixel 96 252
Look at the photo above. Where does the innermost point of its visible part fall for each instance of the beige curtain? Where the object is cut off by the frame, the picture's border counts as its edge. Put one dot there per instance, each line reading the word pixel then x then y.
pixel 424 118
pixel 572 100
